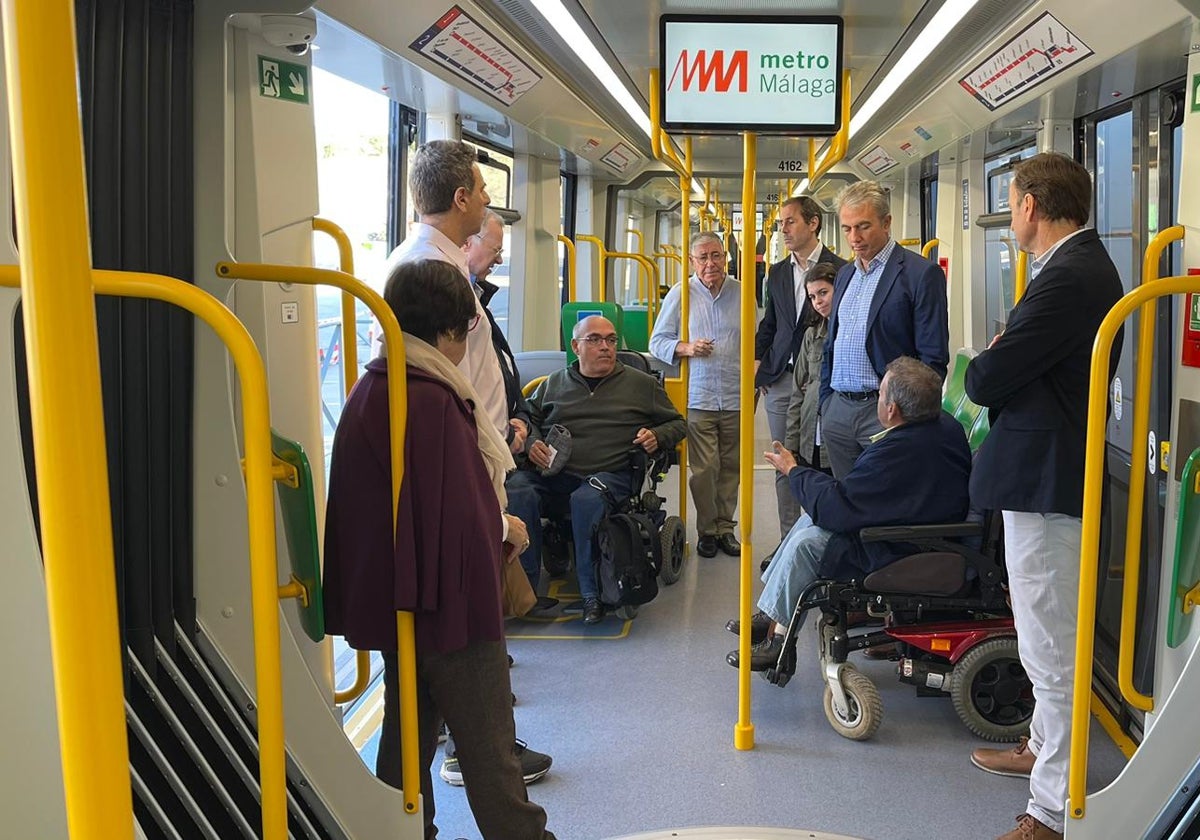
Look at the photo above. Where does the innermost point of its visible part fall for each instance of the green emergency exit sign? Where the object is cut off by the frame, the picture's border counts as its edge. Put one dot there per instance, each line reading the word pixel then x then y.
pixel 1195 313
pixel 282 80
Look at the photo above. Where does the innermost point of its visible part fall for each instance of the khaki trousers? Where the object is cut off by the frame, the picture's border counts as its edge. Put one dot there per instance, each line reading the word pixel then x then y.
pixel 714 459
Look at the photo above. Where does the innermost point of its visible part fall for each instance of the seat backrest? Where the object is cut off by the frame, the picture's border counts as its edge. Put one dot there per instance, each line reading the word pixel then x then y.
pixel 576 311
pixel 958 405
pixel 299 509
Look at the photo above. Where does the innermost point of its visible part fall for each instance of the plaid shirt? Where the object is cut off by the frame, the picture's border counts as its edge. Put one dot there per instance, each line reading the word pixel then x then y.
pixel 852 370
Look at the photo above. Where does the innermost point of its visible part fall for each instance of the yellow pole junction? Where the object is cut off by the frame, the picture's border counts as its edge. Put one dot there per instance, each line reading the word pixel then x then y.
pixel 570 246
pixel 50 203
pixel 1089 552
pixel 398 405
pixel 837 146
pixel 362 658
pixel 600 254
pixel 1137 471
pixel 743 731
pixel 928 247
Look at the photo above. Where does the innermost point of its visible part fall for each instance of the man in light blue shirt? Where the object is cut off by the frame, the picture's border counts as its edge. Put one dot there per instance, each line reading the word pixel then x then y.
pixel 713 414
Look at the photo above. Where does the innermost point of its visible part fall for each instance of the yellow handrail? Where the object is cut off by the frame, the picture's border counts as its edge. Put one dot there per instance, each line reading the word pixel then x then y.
pixel 651 275
pixel 50 204
pixel 670 256
pixel 908 243
pixel 260 513
pixel 570 246
pixel 837 146
pixel 661 144
pixel 1021 276
pixel 1093 478
pixel 1137 472
pixel 743 730
pixel 641 248
pixel 398 404
pixel 349 327
pixel 928 247
pixel 362 658
pixel 600 253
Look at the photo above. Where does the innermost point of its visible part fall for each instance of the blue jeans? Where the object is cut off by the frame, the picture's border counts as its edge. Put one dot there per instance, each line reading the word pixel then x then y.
pixel 793 568
pixel 527 490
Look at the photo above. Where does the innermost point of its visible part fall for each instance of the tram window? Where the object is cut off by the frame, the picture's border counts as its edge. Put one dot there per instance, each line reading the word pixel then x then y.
pixel 929 191
pixel 496 166
pixel 566 227
pixel 352 133
pixel 997 172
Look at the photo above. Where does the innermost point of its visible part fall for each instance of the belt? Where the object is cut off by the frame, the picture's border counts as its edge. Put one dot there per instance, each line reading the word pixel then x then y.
pixel 860 396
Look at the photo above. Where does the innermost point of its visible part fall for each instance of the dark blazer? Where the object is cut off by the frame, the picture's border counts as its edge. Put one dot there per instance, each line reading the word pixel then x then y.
pixel 778 338
pixel 1034 381
pixel 518 406
pixel 916 474
pixel 908 316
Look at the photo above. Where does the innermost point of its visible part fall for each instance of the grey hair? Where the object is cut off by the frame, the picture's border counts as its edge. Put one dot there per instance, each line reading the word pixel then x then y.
pixel 488 217
pixel 915 389
pixel 865 192
pixel 577 331
pixel 438 169
pixel 707 236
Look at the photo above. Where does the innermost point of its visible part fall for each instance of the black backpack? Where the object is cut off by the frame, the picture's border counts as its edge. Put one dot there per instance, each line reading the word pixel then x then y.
pixel 628 554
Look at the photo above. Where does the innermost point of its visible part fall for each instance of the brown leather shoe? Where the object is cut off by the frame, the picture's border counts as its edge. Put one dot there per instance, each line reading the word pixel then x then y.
pixel 1015 762
pixel 1031 828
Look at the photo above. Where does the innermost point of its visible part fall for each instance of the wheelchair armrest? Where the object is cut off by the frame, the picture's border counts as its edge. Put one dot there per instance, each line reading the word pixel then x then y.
pixel 911 533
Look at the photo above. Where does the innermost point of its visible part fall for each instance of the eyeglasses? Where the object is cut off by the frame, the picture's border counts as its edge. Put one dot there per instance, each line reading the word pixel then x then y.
pixel 715 257
pixel 498 252
pixel 474 322
pixel 610 340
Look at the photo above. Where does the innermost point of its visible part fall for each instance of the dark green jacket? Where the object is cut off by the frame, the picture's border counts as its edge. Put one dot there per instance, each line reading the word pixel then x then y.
pixel 603 423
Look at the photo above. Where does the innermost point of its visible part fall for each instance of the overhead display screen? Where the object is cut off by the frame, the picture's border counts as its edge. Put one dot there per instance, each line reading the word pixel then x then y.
pixel 769 74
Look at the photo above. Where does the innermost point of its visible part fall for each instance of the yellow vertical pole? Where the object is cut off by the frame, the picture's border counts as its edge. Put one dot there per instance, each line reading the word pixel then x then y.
pixel 67 417
pixel 570 246
pixel 349 328
pixel 685 249
pixel 743 732
pixel 1021 276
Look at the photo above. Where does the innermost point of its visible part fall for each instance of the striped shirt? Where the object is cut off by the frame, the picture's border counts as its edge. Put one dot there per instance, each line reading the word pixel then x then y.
pixel 713 381
pixel 852 369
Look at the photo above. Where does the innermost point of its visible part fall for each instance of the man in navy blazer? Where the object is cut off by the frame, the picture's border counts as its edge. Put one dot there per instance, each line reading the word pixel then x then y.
pixel 915 474
pixel 887 303
pixel 1034 380
pixel 781 331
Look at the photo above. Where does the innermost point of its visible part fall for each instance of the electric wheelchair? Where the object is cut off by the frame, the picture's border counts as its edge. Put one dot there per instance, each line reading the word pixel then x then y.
pixel 944 607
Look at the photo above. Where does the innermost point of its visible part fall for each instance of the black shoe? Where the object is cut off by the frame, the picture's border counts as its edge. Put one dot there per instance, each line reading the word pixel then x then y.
pixel 544 603
pixel 760 625
pixel 763 655
pixel 534 765
pixel 592 611
pixel 766 561
pixel 510 660
pixel 729 544
pixel 706 546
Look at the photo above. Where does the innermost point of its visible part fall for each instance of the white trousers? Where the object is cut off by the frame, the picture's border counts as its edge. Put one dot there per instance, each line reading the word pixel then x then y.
pixel 1042 555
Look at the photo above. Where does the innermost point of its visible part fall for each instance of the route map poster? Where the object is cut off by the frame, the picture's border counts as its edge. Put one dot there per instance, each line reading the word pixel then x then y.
pixel 1041 50
pixel 467 49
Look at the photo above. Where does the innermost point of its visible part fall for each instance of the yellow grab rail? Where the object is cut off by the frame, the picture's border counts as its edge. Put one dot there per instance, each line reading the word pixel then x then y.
pixel 362 658
pixel 50 205
pixel 601 284
pixel 661 144
pixel 349 318
pixel 260 504
pixel 1021 277
pixel 670 256
pixel 1137 472
pixel 837 146
pixel 908 243
pixel 743 730
pixel 1093 478
pixel 928 247
pixel 398 405
pixel 641 248
pixel 652 282
pixel 570 246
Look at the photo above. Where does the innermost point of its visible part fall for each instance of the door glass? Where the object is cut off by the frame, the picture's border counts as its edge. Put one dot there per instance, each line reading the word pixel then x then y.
pixel 1000 254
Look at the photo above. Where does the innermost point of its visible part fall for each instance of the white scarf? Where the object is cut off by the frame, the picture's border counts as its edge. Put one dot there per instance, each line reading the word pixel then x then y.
pixel 496 456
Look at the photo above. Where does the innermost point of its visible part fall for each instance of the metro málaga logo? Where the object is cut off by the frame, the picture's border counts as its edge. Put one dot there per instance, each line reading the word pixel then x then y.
pixel 709 72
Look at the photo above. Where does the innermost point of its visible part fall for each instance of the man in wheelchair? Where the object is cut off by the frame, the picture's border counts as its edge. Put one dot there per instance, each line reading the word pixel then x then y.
pixel 916 472
pixel 585 418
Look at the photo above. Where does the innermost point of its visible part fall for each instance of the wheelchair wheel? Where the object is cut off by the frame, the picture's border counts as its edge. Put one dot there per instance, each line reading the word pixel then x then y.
pixel 865 708
pixel 627 612
pixel 991 692
pixel 674 544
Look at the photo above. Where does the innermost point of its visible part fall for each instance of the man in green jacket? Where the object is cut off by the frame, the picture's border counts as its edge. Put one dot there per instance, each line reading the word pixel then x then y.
pixel 608 409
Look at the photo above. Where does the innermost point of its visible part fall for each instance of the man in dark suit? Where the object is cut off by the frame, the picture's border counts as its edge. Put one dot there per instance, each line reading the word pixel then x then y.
pixel 917 473
pixel 888 303
pixel 1034 379
pixel 781 330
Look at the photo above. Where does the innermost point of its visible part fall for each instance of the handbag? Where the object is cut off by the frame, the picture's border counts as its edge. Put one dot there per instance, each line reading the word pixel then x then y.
pixel 516 595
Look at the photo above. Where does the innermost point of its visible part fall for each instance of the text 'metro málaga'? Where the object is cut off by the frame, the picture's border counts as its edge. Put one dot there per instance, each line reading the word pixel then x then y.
pixel 769 74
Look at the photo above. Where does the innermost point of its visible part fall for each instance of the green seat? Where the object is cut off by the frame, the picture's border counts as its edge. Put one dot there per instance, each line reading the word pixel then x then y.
pixel 958 405
pixel 636 333
pixel 1186 571
pixel 299 509
pixel 576 311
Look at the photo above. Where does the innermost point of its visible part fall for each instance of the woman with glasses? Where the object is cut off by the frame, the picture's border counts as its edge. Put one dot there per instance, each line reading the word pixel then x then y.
pixel 443 560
